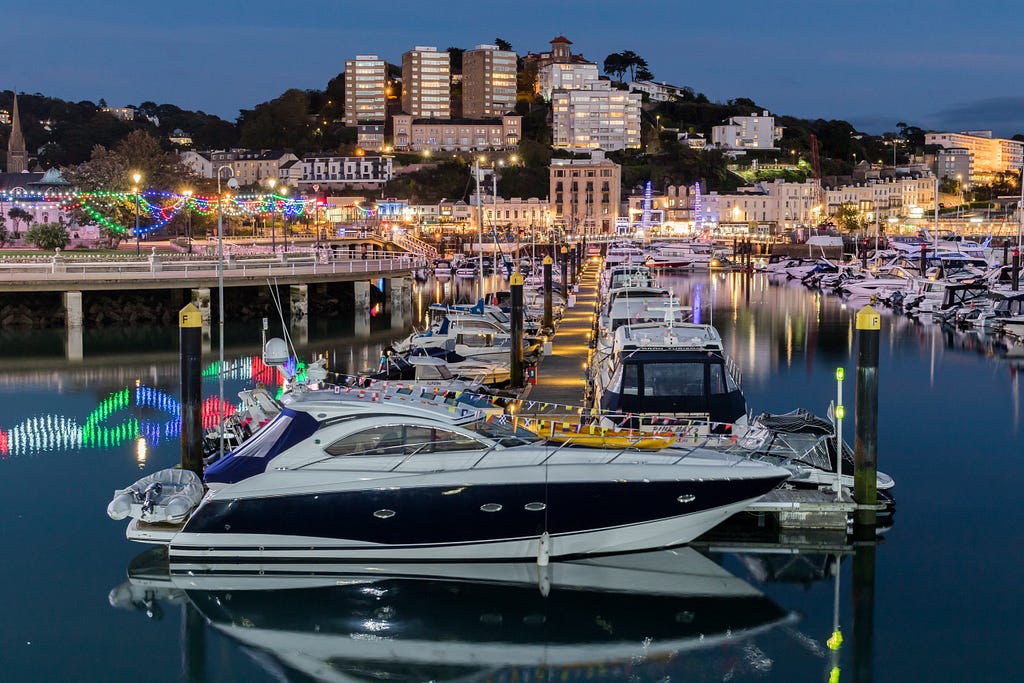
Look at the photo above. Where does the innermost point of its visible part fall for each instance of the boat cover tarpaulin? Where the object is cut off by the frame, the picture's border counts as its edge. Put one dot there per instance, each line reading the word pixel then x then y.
pixel 797 421
pixel 252 457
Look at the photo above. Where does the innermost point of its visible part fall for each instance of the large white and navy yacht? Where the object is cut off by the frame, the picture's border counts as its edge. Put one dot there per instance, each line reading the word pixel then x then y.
pixel 674 370
pixel 332 478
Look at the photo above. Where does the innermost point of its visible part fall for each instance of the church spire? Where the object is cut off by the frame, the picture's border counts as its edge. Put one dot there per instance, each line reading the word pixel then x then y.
pixel 17 158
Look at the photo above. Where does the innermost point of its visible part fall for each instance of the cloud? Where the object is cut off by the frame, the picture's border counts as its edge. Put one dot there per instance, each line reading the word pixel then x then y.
pixel 1003 115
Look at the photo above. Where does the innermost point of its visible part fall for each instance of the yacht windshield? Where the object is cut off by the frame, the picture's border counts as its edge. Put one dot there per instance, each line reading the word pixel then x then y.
pixel 504 434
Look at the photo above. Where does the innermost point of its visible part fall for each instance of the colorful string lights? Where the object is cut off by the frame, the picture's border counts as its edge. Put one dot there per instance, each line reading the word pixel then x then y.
pixel 159 208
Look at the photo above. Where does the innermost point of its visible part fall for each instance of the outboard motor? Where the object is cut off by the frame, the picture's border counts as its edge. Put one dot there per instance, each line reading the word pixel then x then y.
pixel 151 495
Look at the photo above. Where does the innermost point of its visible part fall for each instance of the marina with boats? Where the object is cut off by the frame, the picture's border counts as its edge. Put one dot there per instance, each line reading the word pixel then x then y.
pixel 532 503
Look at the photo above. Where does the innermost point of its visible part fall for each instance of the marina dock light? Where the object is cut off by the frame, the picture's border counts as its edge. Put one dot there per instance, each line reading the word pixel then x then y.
pixel 840 374
pixel 840 411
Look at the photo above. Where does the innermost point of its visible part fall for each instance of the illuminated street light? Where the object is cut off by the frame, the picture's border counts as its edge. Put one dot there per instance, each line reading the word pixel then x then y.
pixel 137 177
pixel 271 182
pixel 188 218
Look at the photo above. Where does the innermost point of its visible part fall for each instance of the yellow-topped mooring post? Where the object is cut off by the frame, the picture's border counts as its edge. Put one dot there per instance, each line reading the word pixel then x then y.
pixel 516 351
pixel 865 469
pixel 549 319
pixel 190 327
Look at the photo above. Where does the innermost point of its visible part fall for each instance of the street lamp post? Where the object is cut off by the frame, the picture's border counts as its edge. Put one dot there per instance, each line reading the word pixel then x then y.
pixel 479 231
pixel 220 300
pixel 188 218
pixel 316 215
pixel 284 220
pixel 273 239
pixel 137 177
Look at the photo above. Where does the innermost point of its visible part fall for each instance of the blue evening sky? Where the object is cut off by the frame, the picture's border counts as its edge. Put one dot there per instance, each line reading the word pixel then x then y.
pixel 937 64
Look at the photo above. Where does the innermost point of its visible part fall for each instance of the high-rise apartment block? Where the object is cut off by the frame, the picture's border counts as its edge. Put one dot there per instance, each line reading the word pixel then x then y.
pixel 488 82
pixel 365 82
pixel 426 83
pixel 600 118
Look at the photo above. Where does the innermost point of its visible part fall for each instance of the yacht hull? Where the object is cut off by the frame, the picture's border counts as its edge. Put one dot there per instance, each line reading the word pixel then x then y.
pixel 440 518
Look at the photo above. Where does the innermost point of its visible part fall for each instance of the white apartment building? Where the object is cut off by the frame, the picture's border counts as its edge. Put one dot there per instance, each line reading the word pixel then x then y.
pixel 426 83
pixel 891 198
pixel 331 172
pixel 658 92
pixel 516 213
pixel 600 118
pixel 784 206
pixel 249 167
pixel 365 84
pixel 988 155
pixel 488 82
pixel 566 76
pixel 747 132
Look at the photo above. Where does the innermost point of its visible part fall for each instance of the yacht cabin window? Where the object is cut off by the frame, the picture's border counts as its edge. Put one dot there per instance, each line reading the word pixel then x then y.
pixel 402 439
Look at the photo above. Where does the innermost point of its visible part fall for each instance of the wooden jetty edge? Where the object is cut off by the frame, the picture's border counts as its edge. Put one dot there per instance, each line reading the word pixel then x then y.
pixel 560 394
pixel 561 376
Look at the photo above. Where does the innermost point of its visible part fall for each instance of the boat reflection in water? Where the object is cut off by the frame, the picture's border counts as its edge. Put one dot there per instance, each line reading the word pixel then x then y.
pixel 604 618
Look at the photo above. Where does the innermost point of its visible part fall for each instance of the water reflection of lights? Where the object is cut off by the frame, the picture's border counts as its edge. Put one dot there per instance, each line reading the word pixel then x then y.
pixel 140 452
pixel 138 413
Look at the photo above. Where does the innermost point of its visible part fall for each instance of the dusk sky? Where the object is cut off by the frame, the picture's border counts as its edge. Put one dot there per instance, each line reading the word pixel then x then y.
pixel 937 65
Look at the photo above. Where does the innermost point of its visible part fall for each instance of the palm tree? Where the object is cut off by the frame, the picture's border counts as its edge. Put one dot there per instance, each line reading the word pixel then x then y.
pixel 18 214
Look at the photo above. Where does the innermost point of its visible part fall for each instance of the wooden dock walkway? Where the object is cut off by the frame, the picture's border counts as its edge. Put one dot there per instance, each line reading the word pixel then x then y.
pixel 561 376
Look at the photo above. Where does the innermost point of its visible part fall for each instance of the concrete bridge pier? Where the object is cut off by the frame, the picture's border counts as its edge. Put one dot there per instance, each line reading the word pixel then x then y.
pixel 298 302
pixel 361 295
pixel 73 316
pixel 401 292
pixel 201 300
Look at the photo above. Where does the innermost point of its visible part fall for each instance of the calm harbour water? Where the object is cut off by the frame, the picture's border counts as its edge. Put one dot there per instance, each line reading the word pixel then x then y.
pixel 945 596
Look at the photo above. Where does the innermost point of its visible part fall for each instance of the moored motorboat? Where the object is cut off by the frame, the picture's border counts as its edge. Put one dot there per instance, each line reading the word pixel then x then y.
pixel 335 478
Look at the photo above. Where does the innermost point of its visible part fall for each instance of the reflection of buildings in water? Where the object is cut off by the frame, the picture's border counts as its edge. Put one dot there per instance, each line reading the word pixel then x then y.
pixel 643 616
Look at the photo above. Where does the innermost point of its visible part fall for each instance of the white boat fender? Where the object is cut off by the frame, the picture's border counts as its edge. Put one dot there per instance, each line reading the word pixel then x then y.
pixel 121 506
pixel 544 552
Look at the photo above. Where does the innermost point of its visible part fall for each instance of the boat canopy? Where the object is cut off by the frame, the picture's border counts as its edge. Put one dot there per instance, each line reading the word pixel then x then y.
pixel 251 458
pixel 797 421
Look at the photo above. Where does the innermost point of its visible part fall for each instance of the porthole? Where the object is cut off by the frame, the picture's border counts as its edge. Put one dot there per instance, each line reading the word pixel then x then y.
pixel 535 507
pixel 384 514
pixel 491 507
pixel 687 498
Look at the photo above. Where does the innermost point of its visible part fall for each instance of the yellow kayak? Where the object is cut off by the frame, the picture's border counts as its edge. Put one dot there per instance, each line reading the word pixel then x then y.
pixel 599 437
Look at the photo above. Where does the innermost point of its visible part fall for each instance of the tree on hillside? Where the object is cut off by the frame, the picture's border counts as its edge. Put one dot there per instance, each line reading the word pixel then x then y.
pixel 642 74
pixel 282 123
pixel 615 65
pixel 503 44
pixel 633 61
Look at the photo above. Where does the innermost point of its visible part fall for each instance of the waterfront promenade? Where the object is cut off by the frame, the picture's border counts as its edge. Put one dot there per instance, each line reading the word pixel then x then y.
pixel 60 274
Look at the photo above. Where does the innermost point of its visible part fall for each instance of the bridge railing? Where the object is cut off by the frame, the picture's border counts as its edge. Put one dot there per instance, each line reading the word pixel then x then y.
pixel 158 268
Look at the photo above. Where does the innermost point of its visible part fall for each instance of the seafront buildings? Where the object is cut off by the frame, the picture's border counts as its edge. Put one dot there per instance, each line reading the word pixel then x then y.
pixel 974 156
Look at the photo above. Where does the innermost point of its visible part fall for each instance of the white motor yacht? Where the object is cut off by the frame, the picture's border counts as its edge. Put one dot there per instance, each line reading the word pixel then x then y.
pixel 332 477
